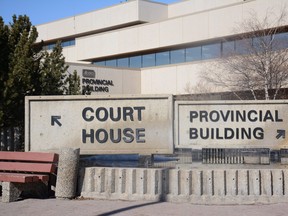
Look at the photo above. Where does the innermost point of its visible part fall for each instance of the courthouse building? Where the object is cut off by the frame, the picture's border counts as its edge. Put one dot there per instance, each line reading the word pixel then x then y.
pixel 147 47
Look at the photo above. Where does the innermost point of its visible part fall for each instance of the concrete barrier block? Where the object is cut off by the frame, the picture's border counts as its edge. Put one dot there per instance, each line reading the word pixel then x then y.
pixel 10 191
pixel 174 182
pixel 99 180
pixel 120 181
pixel 131 181
pixel 219 183
pixel 243 182
pixel 154 182
pixel 197 182
pixel 110 183
pixel 254 182
pixel 285 176
pixel 266 182
pixel 165 181
pixel 206 186
pixel 185 182
pixel 231 177
pixel 141 179
pixel 208 182
pixel 89 179
pixel 278 182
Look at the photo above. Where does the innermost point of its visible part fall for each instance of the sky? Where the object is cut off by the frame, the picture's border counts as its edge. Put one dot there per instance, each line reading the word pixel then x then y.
pixel 43 11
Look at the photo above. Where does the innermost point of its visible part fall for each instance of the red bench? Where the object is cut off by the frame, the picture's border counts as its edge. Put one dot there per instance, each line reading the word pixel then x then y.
pixel 24 171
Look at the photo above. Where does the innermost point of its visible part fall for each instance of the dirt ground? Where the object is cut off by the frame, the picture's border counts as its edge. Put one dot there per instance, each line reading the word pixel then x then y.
pixel 55 207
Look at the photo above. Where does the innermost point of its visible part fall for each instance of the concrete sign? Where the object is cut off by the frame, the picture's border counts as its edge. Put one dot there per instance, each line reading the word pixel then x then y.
pixel 100 125
pixel 231 124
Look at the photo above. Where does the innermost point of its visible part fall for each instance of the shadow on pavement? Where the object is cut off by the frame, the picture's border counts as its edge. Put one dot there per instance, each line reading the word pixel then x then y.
pixel 127 208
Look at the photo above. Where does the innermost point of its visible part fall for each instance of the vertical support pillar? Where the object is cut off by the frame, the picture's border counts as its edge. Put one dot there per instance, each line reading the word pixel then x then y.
pixel 67 173
pixel 10 192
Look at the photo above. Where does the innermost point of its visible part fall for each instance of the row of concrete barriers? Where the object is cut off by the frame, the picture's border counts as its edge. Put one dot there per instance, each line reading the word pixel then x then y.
pixel 198 186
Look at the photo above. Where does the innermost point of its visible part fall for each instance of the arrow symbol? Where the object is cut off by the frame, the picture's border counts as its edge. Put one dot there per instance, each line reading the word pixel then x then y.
pixel 280 133
pixel 55 120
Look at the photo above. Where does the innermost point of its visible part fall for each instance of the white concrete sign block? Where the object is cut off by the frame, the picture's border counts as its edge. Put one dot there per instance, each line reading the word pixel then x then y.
pixel 100 125
pixel 231 124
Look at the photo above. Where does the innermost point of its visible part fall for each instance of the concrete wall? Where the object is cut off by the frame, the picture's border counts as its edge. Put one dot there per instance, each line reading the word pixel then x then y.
pixel 171 79
pixel 196 27
pixel 188 7
pixel 197 186
pixel 124 14
pixel 125 80
pixel 102 35
pixel 122 183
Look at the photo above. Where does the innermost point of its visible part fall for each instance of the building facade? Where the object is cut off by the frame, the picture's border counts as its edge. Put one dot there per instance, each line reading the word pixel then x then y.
pixel 147 47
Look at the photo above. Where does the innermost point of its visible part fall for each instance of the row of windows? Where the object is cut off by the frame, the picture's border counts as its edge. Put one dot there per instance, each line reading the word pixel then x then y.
pixel 196 53
pixel 63 44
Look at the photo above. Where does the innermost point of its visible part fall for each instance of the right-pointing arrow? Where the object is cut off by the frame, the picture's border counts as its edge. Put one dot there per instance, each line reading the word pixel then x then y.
pixel 280 133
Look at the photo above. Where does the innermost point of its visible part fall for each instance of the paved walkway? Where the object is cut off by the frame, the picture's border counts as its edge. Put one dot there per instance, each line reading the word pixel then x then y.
pixel 57 207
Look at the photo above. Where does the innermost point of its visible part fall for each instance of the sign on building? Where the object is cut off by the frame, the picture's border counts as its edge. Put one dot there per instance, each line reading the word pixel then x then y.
pixel 100 125
pixel 231 124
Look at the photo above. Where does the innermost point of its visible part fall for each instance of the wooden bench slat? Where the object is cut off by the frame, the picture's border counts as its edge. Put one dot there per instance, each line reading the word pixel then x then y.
pixel 27 167
pixel 22 177
pixel 29 156
pixel 44 178
pixel 17 177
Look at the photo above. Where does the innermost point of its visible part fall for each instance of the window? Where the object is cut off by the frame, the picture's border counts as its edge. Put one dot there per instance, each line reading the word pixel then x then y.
pixel 207 51
pixel 262 43
pixel 101 63
pixel 163 58
pixel 111 63
pixel 280 41
pixel 177 56
pixel 135 62
pixel 211 51
pixel 66 43
pixel 63 44
pixel 72 42
pixel 228 48
pixel 51 46
pixel 123 62
pixel 193 54
pixel 148 60
pixel 243 46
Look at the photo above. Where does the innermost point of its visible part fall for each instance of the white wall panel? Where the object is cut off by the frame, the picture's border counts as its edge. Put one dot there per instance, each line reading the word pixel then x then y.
pixel 128 39
pixel 171 32
pixel 196 6
pixel 195 28
pixel 116 15
pixel 149 36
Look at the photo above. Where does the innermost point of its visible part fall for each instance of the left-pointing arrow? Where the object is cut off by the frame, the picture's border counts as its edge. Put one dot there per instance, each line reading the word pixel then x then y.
pixel 55 120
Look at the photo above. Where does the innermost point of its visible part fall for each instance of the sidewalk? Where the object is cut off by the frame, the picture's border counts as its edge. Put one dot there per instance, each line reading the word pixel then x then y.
pixel 55 207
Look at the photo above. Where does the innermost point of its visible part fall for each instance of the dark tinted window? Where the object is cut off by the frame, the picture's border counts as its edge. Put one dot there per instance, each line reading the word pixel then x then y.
pixel 211 51
pixel 111 63
pixel 148 60
pixel 162 58
pixel 135 62
pixel 228 48
pixel 193 54
pixel 177 56
pixel 123 62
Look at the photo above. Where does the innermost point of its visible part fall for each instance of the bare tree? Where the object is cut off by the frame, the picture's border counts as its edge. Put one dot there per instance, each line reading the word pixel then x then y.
pixel 258 58
pixel 201 87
